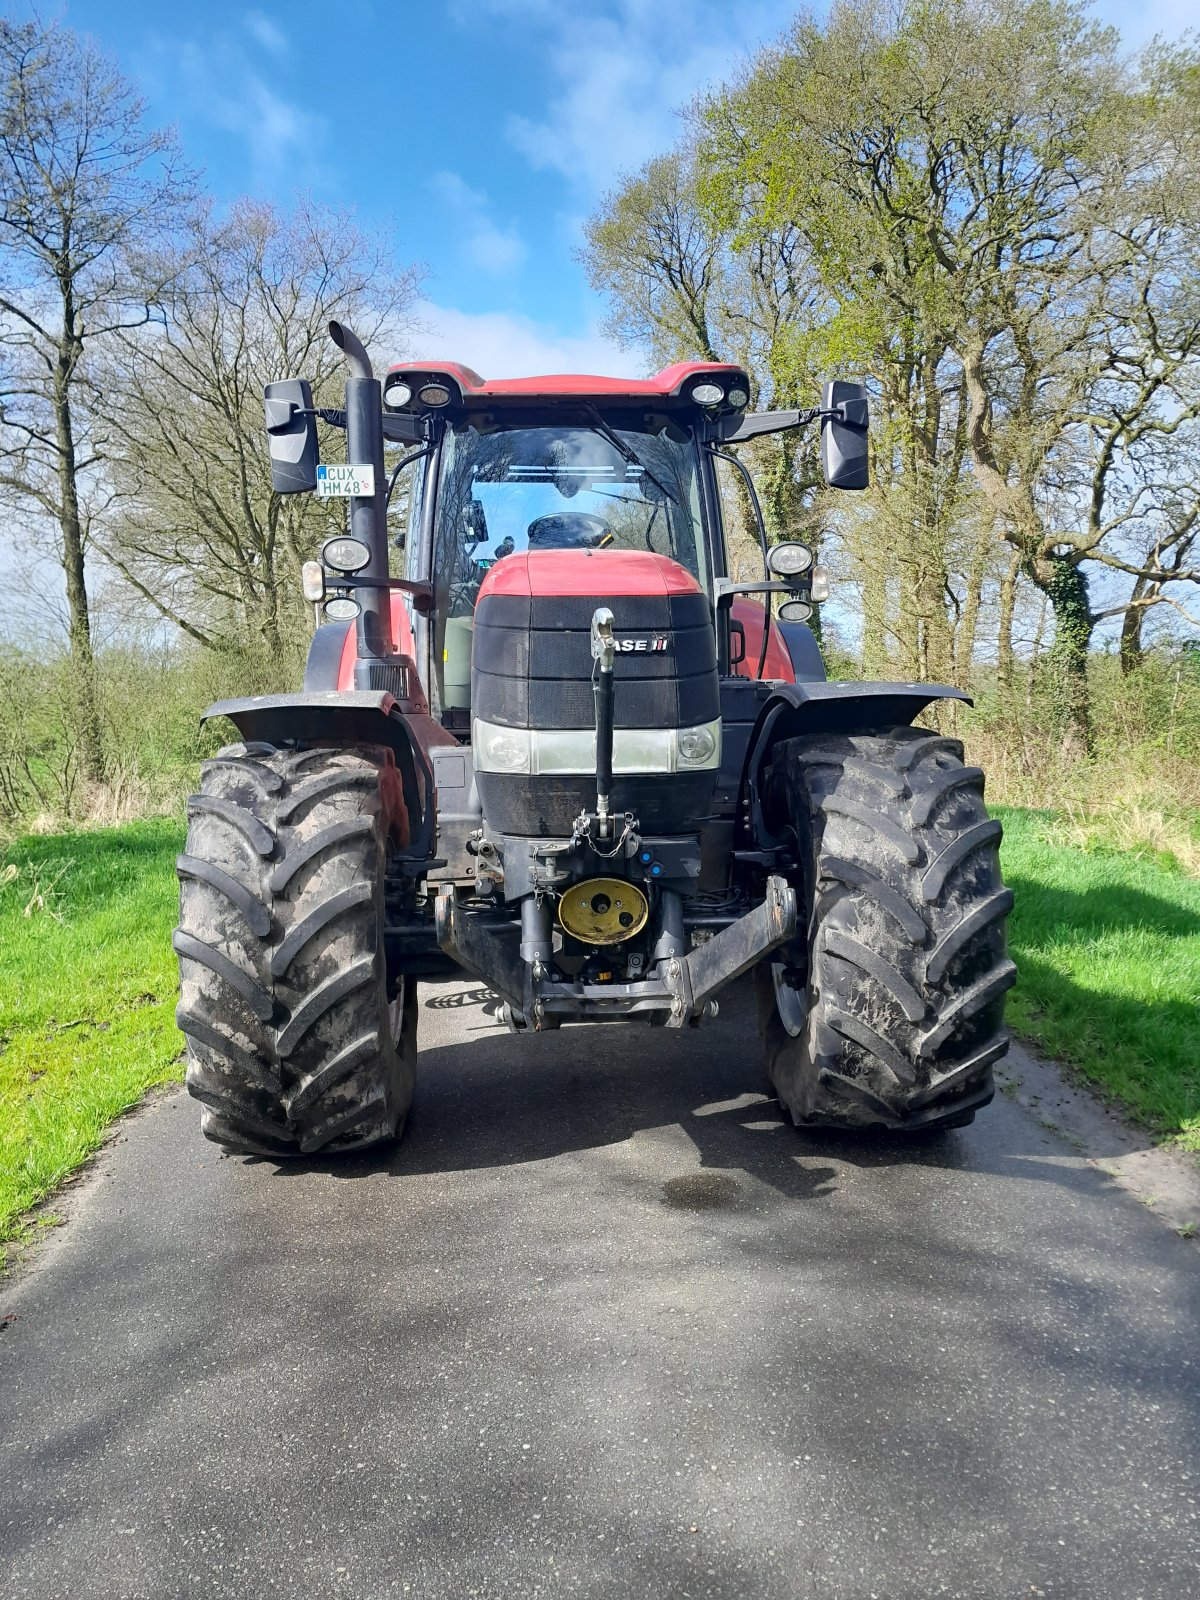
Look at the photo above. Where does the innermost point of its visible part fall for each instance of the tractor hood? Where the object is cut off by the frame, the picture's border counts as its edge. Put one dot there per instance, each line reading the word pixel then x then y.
pixel 533 709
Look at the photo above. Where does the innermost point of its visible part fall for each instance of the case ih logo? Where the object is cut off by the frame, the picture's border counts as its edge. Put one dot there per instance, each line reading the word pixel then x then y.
pixel 654 643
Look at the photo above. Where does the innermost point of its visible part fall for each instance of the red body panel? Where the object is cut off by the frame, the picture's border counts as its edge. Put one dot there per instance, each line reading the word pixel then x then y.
pixel 606 574
pixel 663 385
pixel 401 631
pixel 778 666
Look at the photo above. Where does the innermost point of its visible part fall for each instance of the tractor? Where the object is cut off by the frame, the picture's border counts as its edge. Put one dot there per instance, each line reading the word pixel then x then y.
pixel 567 753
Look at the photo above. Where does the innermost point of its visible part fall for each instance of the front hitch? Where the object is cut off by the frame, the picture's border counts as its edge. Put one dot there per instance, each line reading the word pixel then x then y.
pixel 677 991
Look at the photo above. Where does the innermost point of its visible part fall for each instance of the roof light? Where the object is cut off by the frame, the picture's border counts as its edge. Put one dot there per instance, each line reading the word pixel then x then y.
pixel 738 398
pixel 345 555
pixel 397 392
pixel 708 394
pixel 434 394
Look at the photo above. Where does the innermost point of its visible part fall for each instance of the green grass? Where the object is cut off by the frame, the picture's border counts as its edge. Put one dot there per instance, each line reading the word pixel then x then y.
pixel 87 996
pixel 1107 943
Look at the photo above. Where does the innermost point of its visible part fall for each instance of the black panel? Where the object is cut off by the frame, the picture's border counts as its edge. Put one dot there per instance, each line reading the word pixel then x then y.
pixel 325 655
pixel 629 611
pixel 534 807
pixel 807 662
pixel 568 653
pixel 554 612
pixel 542 677
pixel 503 611
pixel 570 702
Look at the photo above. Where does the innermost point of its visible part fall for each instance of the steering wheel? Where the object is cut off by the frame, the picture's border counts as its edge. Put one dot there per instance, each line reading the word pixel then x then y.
pixel 569 530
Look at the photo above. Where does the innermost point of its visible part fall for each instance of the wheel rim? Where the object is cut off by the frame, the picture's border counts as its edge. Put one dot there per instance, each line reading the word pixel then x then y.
pixel 790 1002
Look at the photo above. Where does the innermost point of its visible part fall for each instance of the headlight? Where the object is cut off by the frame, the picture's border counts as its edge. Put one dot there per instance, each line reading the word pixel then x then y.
pixel 795 611
pixel 507 752
pixel 790 559
pixel 342 609
pixel 708 394
pixel 697 746
pixel 345 555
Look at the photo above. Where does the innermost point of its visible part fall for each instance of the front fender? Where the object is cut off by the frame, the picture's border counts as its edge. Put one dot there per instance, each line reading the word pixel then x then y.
pixel 331 717
pixel 797 708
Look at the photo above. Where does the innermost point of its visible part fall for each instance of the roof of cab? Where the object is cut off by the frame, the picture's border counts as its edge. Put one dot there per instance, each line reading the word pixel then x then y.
pixel 663 385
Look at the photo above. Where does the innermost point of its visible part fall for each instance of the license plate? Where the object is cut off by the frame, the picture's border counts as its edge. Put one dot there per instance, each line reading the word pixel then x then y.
pixel 339 482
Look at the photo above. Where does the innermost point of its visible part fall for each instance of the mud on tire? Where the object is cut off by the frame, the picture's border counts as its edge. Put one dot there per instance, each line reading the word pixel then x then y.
pixel 888 1011
pixel 294 1044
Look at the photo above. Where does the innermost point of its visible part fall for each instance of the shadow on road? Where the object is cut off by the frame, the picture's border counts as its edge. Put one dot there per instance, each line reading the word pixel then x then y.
pixel 504 1099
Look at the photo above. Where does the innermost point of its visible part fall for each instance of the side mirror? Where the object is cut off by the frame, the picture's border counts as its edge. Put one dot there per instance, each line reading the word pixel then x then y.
pixel 291 436
pixel 844 438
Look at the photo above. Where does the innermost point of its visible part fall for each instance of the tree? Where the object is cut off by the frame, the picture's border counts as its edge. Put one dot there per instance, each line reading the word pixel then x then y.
pixel 198 533
pixel 683 285
pixel 87 194
pixel 1005 201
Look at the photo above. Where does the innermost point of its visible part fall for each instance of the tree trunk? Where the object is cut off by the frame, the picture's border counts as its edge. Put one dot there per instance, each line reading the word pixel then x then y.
pixel 968 624
pixel 1065 585
pixel 87 715
pixel 874 604
pixel 1131 629
pixel 1004 643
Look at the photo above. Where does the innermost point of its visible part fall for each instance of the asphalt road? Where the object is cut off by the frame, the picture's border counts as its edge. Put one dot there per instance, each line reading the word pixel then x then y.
pixel 603 1325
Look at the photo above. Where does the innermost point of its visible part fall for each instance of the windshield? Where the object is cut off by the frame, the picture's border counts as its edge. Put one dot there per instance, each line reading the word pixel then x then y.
pixel 568 488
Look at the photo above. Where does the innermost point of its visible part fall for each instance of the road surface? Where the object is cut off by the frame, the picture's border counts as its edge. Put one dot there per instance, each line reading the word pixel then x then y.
pixel 602 1325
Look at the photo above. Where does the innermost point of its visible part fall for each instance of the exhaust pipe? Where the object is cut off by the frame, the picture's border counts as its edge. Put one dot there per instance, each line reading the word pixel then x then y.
pixel 368 513
pixel 353 349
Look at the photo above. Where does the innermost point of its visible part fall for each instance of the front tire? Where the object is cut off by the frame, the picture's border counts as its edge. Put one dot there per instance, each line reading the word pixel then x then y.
pixel 294 1043
pixel 888 1011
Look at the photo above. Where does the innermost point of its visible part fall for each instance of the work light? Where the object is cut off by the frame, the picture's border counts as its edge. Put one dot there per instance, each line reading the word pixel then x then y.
pixel 708 394
pixel 345 555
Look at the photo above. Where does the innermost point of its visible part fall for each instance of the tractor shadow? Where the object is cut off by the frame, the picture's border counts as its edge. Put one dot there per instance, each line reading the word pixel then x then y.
pixel 492 1100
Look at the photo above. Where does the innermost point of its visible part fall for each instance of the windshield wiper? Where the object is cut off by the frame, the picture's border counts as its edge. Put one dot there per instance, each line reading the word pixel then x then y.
pixel 626 451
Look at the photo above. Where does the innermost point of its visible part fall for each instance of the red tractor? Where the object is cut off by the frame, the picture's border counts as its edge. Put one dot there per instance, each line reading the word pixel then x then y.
pixel 567 754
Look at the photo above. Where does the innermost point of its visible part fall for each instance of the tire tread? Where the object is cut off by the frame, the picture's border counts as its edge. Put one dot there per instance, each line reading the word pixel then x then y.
pixel 907 968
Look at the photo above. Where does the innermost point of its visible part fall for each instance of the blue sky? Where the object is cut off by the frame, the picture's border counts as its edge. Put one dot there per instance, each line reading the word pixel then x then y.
pixel 479 133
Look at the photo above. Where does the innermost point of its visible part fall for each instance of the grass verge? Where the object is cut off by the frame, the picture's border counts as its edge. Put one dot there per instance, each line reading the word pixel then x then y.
pixel 87 996
pixel 1107 943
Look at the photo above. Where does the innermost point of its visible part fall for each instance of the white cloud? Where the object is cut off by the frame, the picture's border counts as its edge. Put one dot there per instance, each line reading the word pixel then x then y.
pixel 220 84
pixel 266 32
pixel 499 344
pixel 489 247
pixel 622 77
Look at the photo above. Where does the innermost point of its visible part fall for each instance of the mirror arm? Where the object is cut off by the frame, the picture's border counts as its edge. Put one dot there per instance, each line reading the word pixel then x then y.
pixel 757 423
pixel 421 592
pixel 724 589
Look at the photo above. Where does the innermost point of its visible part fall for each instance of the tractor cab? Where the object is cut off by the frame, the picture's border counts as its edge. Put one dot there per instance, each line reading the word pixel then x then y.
pixel 549 465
